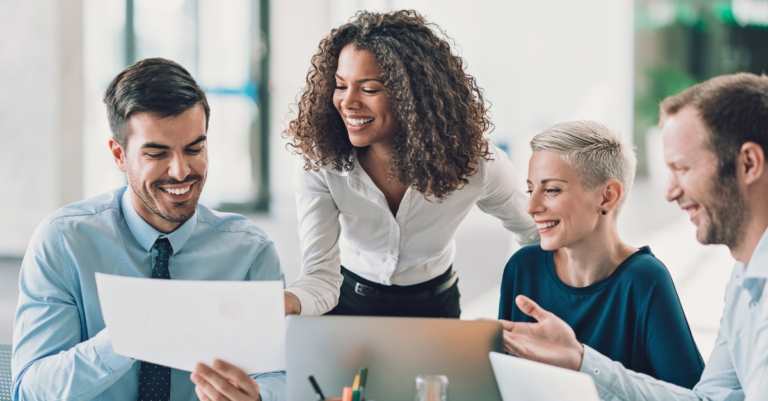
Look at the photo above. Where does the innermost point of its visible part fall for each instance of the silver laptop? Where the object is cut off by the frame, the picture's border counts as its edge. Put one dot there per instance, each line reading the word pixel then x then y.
pixel 395 351
pixel 520 379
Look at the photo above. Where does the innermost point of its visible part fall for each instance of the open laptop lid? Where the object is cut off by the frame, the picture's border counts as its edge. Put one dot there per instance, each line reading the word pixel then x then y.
pixel 395 350
pixel 520 379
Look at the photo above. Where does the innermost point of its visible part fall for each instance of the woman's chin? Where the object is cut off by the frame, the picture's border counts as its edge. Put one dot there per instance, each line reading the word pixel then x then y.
pixel 549 245
pixel 360 144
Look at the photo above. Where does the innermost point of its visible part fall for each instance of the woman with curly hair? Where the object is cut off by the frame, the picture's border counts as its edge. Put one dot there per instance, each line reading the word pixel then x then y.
pixel 390 132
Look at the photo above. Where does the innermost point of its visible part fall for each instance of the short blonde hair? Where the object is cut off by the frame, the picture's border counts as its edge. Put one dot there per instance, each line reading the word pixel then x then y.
pixel 597 153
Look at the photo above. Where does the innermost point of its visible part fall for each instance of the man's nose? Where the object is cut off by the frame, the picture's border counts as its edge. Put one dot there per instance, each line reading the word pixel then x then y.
pixel 178 168
pixel 674 191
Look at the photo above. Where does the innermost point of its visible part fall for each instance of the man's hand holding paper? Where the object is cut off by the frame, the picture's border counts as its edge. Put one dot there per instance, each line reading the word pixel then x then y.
pixel 223 381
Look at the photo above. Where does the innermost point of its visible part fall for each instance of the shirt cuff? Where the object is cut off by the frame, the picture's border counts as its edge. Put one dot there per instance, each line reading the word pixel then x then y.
pixel 272 386
pixel 113 361
pixel 599 367
pixel 308 305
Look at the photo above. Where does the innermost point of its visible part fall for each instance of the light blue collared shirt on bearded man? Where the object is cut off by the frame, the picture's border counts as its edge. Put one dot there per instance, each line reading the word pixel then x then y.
pixel 738 366
pixel 62 350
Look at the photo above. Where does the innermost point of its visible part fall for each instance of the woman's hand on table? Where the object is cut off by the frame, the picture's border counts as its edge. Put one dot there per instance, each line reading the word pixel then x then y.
pixel 292 304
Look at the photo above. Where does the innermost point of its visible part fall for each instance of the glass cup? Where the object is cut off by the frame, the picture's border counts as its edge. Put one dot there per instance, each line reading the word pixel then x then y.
pixel 431 388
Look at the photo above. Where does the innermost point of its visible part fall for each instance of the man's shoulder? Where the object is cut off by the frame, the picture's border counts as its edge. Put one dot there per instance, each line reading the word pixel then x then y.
pixel 92 218
pixel 231 223
pixel 108 202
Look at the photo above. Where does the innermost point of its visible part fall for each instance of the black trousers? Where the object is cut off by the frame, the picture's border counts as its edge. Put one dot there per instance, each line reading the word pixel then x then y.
pixel 445 304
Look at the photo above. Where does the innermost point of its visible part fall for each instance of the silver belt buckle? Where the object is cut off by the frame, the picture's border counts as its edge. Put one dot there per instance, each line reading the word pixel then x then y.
pixel 359 288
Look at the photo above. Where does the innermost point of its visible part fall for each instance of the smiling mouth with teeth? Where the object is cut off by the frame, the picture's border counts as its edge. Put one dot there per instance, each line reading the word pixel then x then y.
pixel 177 191
pixel 359 121
pixel 547 224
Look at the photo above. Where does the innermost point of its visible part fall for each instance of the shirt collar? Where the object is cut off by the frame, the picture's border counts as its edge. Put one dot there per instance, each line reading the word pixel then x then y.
pixel 756 273
pixel 146 235
pixel 758 263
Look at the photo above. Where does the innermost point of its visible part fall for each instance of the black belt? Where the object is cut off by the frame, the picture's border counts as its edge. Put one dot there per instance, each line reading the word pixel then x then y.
pixel 384 296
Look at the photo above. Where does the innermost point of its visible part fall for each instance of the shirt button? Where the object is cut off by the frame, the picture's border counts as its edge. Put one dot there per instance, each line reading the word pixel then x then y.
pixel 596 371
pixel 753 304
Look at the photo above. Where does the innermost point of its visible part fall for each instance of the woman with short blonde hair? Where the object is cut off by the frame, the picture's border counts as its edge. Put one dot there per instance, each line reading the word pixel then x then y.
pixel 619 300
pixel 597 153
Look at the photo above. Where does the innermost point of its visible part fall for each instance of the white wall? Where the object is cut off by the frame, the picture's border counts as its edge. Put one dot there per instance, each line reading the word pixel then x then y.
pixel 40 114
pixel 297 28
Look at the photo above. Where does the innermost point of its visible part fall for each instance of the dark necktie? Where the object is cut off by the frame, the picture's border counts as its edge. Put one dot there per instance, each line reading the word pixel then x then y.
pixel 155 380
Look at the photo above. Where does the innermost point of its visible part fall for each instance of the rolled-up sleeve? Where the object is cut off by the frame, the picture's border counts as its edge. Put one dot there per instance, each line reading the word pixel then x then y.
pixel 504 197
pixel 319 229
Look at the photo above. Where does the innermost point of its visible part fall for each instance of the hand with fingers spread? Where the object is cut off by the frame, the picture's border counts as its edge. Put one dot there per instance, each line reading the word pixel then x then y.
pixel 224 382
pixel 550 340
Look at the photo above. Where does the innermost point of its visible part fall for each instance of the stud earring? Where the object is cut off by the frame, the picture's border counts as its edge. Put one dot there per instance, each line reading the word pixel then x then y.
pixel 603 212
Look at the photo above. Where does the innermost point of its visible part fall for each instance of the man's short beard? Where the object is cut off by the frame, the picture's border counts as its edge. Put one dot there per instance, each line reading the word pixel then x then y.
pixel 727 211
pixel 151 202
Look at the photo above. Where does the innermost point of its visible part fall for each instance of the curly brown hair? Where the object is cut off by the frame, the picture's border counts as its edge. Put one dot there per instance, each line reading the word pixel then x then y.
pixel 441 112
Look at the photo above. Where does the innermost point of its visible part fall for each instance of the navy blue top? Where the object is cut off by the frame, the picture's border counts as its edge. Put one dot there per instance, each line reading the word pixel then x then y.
pixel 634 316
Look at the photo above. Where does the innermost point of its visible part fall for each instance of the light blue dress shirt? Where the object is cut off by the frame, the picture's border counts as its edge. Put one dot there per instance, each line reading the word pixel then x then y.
pixel 738 366
pixel 61 348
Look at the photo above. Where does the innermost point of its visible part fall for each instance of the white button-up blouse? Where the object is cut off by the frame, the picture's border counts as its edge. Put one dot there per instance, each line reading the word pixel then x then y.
pixel 344 220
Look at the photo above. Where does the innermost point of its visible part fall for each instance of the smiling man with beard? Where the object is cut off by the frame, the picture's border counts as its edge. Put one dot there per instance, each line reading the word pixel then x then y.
pixel 154 227
pixel 715 145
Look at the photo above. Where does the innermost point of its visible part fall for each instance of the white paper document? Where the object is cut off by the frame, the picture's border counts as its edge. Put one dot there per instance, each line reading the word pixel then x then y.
pixel 178 323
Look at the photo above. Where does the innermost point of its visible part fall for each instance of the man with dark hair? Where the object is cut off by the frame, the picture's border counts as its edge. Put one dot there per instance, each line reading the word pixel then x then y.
pixel 715 145
pixel 154 227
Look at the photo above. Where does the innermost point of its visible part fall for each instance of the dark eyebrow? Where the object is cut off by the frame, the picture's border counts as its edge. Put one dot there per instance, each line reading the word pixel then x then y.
pixel 155 145
pixel 360 81
pixel 198 140
pixel 547 180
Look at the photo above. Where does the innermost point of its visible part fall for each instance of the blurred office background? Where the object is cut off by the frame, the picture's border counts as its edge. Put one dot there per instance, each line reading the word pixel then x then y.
pixel 540 63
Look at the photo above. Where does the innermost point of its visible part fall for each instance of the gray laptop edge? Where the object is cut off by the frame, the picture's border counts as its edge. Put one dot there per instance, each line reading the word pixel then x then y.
pixel 395 351
pixel 526 380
